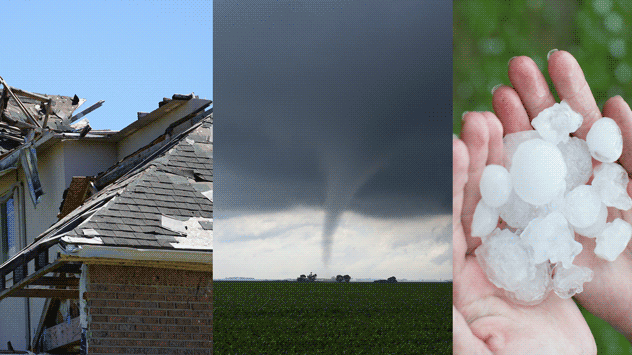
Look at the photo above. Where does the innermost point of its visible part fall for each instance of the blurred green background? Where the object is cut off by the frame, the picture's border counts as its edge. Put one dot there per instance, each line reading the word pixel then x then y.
pixel 486 34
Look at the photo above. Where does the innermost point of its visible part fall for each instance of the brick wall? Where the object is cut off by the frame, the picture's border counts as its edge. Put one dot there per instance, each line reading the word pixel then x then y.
pixel 146 310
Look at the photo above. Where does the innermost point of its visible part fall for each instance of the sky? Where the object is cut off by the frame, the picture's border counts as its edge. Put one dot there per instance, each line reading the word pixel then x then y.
pixel 129 53
pixel 332 139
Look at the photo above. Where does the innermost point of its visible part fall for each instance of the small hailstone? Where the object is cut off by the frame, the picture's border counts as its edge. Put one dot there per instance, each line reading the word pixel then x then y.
pixel 578 162
pixel 538 171
pixel 556 122
pixel 506 259
pixel 570 281
pixel 512 141
pixel 516 212
pixel 613 240
pixel 495 185
pixel 582 206
pixel 604 140
pixel 611 182
pixel 484 220
pixel 593 230
pixel 551 239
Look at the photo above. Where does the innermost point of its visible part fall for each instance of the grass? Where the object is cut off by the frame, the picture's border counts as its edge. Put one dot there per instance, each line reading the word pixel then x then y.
pixel 332 318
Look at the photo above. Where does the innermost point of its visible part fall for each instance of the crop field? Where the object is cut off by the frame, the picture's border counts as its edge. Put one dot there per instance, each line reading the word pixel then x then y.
pixel 332 318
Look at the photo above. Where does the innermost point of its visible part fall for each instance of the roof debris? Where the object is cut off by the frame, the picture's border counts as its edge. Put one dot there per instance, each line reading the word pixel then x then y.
pixel 24 118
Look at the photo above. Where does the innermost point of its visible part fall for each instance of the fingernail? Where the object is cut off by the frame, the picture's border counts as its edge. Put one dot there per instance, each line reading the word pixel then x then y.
pixel 510 59
pixel 463 115
pixel 548 55
pixel 495 88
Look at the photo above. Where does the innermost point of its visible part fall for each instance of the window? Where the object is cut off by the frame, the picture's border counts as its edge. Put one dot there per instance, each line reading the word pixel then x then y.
pixel 9 241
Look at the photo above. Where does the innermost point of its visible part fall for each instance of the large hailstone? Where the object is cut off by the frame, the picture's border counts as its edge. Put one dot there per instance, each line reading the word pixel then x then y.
pixel 552 239
pixel 595 229
pixel 604 140
pixel 556 122
pixel 512 141
pixel 495 185
pixel 613 240
pixel 578 162
pixel 506 259
pixel 611 183
pixel 538 171
pixel 582 206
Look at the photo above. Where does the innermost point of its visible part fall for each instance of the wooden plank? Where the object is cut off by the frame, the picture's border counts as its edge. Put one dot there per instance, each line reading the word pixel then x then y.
pixel 57 281
pixel 30 94
pixel 86 111
pixel 20 105
pixel 62 334
pixel 46 293
pixel 31 278
pixel 49 108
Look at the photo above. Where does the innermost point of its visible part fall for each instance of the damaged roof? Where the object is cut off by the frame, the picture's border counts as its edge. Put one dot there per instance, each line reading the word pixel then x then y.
pixel 148 203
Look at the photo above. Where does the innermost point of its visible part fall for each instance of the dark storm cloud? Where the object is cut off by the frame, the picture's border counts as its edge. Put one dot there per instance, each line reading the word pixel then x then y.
pixel 339 104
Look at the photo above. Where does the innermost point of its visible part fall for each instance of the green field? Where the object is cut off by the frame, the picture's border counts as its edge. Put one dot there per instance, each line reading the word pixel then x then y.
pixel 332 318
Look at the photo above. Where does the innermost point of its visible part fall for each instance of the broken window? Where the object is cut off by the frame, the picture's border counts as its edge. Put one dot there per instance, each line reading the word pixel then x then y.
pixel 8 227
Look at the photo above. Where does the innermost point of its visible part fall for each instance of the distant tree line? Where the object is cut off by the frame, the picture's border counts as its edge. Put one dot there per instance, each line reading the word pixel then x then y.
pixel 341 278
pixel 309 278
pixel 391 279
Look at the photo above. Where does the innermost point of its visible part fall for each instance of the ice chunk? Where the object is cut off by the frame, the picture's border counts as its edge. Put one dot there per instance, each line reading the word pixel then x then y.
pixel 512 141
pixel 611 183
pixel 484 220
pixel 534 291
pixel 506 259
pixel 551 239
pixel 570 281
pixel 538 171
pixel 516 212
pixel 556 122
pixel 578 162
pixel 593 230
pixel 495 185
pixel 604 140
pixel 613 240
pixel 557 204
pixel 582 206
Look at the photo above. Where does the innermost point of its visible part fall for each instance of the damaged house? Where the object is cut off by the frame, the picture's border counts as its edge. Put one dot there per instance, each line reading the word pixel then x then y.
pixel 105 236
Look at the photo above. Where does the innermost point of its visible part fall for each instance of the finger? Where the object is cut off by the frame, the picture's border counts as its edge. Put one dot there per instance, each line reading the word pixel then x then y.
pixel 617 109
pixel 460 165
pixel 475 135
pixel 465 342
pixel 530 85
pixel 571 85
pixel 495 147
pixel 510 110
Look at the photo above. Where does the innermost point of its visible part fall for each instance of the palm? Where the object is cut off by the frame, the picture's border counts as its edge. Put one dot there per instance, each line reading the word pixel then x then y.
pixel 498 325
pixel 483 306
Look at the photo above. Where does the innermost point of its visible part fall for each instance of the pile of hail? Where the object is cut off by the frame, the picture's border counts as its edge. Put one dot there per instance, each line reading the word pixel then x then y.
pixel 541 195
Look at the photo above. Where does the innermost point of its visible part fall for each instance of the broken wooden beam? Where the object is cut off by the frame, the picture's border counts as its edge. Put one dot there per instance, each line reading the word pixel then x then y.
pixel 86 111
pixel 31 95
pixel 20 104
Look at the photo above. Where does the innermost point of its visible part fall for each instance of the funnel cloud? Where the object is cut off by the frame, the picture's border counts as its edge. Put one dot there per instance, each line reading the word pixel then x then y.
pixel 336 107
